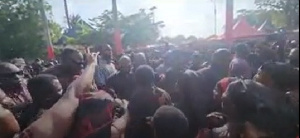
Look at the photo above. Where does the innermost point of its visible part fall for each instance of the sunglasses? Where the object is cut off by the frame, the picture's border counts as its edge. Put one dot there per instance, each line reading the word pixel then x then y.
pixel 11 75
pixel 80 63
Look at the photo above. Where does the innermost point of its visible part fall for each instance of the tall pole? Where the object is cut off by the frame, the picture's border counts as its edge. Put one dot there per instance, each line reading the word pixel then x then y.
pixel 229 21
pixel 67 12
pixel 215 17
pixel 115 12
pixel 46 30
pixel 117 33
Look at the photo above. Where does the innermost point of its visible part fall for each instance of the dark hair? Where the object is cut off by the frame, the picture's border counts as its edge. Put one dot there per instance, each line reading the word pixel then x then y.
pixel 100 127
pixel 41 86
pixel 241 50
pixel 253 104
pixel 67 52
pixel 219 54
pixel 144 75
pixel 170 122
pixel 283 75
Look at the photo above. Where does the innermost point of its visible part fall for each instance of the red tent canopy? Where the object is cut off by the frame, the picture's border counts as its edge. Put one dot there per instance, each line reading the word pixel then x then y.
pixel 241 29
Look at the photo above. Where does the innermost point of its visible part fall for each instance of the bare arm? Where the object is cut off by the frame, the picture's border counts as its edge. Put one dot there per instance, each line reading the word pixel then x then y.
pixel 8 124
pixel 118 126
pixel 56 122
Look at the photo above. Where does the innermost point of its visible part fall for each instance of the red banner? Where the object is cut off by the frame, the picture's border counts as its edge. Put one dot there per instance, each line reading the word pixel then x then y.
pixel 118 42
pixel 50 51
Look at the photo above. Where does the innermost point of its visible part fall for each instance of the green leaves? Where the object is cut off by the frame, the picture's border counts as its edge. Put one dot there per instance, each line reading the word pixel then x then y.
pixel 20 29
pixel 136 29
pixel 283 12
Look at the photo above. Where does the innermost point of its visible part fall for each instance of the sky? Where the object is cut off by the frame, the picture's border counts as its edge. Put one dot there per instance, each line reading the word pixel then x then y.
pixel 186 17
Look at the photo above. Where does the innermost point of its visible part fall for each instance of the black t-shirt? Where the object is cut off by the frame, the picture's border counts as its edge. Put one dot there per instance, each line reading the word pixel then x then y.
pixel 143 104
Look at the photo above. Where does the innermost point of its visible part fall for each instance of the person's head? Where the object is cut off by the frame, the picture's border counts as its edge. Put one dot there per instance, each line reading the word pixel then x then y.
pixel 95 111
pixel 294 57
pixel 280 76
pixel 139 59
pixel 106 52
pixel 241 50
pixel 10 75
pixel 19 62
pixel 177 59
pixel 221 58
pixel 247 102
pixel 45 90
pixel 72 59
pixel 125 64
pixel 144 75
pixel 170 122
pixel 196 58
pixel 253 113
pixel 38 61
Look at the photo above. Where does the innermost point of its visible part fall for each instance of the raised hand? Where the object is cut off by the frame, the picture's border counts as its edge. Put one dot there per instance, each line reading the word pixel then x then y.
pixel 92 58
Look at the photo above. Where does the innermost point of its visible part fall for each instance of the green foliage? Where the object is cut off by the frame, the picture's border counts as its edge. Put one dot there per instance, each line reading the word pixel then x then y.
pixel 139 29
pixel 284 12
pixel 55 31
pixel 20 29
pixel 136 29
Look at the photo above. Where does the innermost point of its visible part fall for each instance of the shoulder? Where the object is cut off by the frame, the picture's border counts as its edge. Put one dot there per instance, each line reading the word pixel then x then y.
pixel 235 61
pixel 55 70
pixel 113 76
pixel 9 125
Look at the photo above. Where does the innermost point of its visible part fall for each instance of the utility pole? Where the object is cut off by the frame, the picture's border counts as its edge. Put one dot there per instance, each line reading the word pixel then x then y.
pixel 229 21
pixel 67 13
pixel 215 16
pixel 117 32
pixel 115 12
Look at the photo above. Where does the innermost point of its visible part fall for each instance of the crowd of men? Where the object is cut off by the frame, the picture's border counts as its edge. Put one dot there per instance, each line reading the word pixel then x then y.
pixel 239 93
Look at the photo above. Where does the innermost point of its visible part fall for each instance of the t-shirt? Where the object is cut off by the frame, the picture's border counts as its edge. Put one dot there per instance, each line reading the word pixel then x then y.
pixel 143 104
pixel 103 71
pixel 240 68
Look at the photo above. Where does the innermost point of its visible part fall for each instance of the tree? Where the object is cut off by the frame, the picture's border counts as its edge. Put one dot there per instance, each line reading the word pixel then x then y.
pixel 191 38
pixel 288 8
pixel 20 29
pixel 140 29
pixel 79 32
pixel 137 29
pixel 55 31
pixel 258 17
pixel 178 40
pixel 104 26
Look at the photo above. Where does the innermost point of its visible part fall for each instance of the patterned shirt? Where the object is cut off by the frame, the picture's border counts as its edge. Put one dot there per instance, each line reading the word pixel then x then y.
pixel 103 71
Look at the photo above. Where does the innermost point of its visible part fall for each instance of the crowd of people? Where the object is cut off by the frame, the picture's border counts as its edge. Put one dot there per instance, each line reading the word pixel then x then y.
pixel 245 92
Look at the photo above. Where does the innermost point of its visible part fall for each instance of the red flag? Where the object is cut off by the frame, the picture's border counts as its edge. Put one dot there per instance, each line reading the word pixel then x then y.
pixel 118 42
pixel 50 51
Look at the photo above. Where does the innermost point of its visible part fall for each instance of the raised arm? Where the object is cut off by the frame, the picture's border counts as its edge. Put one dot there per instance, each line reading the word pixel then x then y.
pixel 56 122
